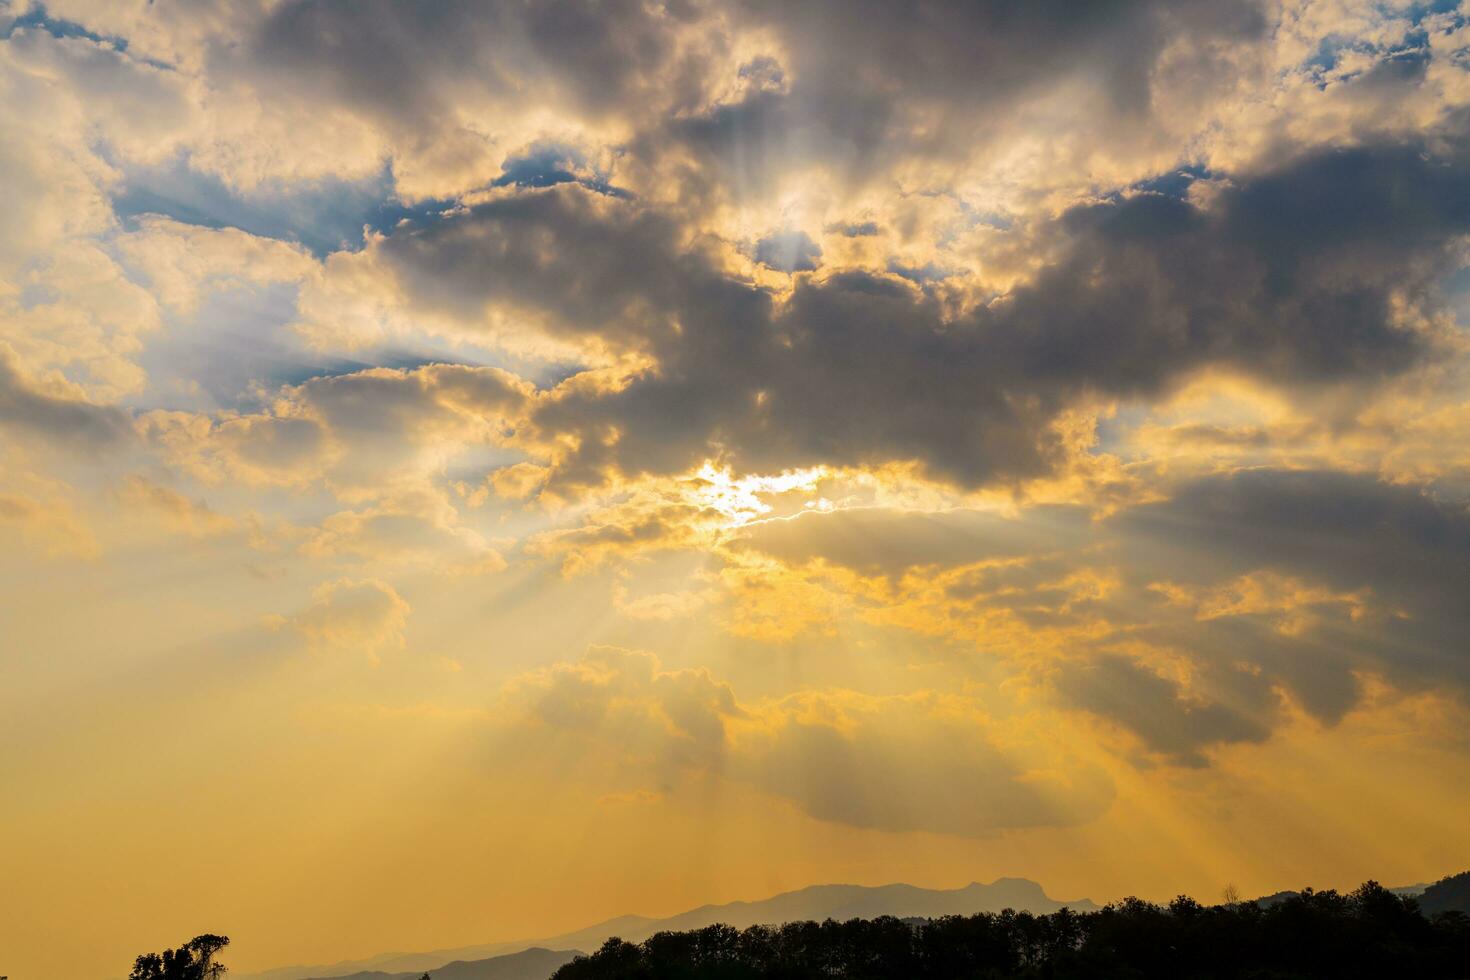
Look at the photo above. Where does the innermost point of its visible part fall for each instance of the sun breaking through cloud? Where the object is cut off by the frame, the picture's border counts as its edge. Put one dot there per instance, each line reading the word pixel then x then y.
pixel 616 456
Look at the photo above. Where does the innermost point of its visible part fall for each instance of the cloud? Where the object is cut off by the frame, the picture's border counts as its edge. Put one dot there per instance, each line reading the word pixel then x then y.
pixel 59 418
pixel 919 763
pixel 789 251
pixel 586 266
pixel 543 248
pixel 891 541
pixel 596 55
pixel 1237 600
pixel 362 615
pixel 459 64
pixel 183 262
pixel 363 433
pixel 1272 278
pixel 668 719
pixel 1265 273
pixel 1396 551
pixel 1160 712
pixel 924 762
pixel 865 90
pixel 411 529
pixel 192 517
pixel 1209 616
pixel 624 535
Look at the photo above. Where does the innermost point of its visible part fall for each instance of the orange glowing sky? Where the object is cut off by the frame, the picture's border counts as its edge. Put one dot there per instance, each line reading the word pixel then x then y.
pixel 468 470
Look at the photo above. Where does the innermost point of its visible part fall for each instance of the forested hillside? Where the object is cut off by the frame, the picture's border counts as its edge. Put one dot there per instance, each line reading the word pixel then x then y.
pixel 1370 932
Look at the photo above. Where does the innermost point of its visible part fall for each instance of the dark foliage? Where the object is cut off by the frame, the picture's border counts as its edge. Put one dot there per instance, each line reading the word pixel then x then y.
pixel 193 960
pixel 1450 894
pixel 1368 933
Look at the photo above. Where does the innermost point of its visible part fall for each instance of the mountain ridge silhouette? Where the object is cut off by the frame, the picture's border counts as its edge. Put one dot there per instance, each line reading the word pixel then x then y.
pixel 535 963
pixel 835 901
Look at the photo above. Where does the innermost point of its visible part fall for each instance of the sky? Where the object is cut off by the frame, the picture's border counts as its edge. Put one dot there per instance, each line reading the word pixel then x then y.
pixel 473 469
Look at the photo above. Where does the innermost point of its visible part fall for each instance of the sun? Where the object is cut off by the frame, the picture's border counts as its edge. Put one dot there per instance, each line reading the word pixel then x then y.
pixel 741 499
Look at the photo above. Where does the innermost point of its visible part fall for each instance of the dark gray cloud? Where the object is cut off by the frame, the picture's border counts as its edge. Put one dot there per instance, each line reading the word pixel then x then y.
pixel 1385 569
pixel 588 265
pixel 1291 276
pixel 854 86
pixel 1158 710
pixel 968 54
pixel 404 61
pixel 1405 551
pixel 872 83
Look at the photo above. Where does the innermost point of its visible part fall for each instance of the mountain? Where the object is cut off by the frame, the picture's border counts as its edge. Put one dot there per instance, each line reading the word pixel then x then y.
pixel 844 902
pixel 1450 894
pixel 529 964
pixel 817 902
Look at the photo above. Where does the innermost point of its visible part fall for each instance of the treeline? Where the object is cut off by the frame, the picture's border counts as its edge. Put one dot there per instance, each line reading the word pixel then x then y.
pixel 1370 932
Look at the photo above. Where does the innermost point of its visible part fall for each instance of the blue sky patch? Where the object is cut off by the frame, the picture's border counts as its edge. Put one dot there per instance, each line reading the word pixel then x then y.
pixel 322 215
pixel 549 164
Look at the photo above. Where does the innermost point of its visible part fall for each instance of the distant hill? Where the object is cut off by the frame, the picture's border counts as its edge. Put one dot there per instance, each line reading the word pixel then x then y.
pixel 1450 894
pixel 535 963
pixel 844 902
pixel 529 964
pixel 817 902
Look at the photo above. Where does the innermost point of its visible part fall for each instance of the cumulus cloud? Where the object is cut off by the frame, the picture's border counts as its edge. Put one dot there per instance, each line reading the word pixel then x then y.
pixel 1190 622
pixel 192 517
pixel 839 755
pixel 919 763
pixel 1390 563
pixel 182 262
pixel 363 433
pixel 1267 272
pixel 61 417
pixel 1259 587
pixel 1275 276
pixel 365 616
pixel 1161 712
pixel 413 528
pixel 873 86
pixel 557 260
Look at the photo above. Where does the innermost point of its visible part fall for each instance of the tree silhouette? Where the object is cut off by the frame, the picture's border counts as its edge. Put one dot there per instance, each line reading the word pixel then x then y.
pixel 193 960
pixel 1368 933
